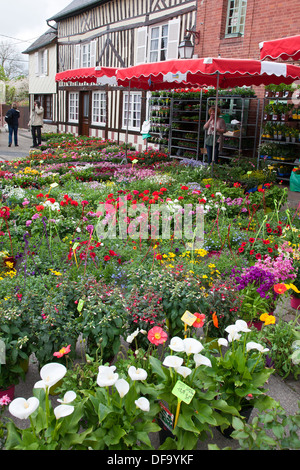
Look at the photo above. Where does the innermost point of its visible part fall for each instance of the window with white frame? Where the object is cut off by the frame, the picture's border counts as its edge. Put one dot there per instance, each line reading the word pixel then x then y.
pixel 73 106
pixel 85 55
pixel 158 42
pixel 41 63
pixel 99 107
pixel 132 110
pixel 236 15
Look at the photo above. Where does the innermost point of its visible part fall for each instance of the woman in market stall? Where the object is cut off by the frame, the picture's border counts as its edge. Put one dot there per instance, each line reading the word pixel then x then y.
pixel 220 129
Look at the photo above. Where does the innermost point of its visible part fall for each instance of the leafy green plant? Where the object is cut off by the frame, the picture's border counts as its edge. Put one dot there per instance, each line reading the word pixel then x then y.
pixel 273 429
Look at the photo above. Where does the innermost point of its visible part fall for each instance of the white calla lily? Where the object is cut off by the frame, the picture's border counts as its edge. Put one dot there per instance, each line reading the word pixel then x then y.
pixel 137 373
pixel 242 326
pixel 143 403
pixel 184 371
pixel 51 374
pixel 22 408
pixel 253 345
pixel 201 360
pixel 68 397
pixel 222 342
pixel 176 344
pixel 173 361
pixel 192 346
pixel 107 376
pixel 122 386
pixel 63 410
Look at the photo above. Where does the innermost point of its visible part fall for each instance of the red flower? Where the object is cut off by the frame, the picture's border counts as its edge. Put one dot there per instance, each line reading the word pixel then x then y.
pixel 184 188
pixel 84 203
pixel 39 208
pixel 51 199
pixel 106 258
pixel 251 252
pixel 280 288
pixel 4 212
pixel 258 256
pixel 199 322
pixel 112 253
pixel 251 240
pixel 158 257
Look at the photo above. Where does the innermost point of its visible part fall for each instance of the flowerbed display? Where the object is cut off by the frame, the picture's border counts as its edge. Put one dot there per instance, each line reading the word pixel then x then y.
pixel 132 258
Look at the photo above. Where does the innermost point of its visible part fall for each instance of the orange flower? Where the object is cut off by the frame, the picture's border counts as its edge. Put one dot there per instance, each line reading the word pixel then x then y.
pixel 215 320
pixel 39 207
pixel 280 288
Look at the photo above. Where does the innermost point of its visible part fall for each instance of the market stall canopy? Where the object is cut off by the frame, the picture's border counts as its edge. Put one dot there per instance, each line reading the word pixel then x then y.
pixel 217 72
pixel 284 48
pixel 99 75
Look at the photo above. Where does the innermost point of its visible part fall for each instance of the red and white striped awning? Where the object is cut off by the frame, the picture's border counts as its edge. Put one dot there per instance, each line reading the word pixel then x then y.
pixel 100 75
pixel 284 48
pixel 225 73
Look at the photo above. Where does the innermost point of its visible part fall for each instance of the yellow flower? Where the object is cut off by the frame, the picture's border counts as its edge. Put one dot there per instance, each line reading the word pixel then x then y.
pixel 57 273
pixel 270 320
pixel 263 316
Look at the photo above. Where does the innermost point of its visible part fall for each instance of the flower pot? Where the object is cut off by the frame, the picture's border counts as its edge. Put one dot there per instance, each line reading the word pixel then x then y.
pixel 10 392
pixel 295 303
pixel 245 413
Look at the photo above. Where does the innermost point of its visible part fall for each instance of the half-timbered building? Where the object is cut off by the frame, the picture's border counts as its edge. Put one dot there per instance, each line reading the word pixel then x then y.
pixel 115 33
pixel 42 70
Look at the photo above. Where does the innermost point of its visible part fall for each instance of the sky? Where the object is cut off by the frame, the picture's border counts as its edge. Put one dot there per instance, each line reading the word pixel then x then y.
pixel 25 20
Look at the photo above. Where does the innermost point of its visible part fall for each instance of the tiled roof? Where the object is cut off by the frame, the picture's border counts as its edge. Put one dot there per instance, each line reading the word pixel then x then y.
pixel 75 7
pixel 45 40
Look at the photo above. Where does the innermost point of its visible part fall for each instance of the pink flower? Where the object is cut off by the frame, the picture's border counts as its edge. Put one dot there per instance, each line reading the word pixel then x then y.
pixel 157 335
pixel 5 400
pixel 62 351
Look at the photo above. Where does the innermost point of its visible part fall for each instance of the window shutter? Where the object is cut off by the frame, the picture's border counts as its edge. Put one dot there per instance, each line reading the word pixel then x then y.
pixel 36 58
pixel 45 58
pixel 173 39
pixel 77 56
pixel 141 45
pixel 93 53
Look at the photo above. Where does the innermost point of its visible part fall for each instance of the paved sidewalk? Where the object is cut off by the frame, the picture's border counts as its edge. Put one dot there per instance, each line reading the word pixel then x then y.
pixel 15 153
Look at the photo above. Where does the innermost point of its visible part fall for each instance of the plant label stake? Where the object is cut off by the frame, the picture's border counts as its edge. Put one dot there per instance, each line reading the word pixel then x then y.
pixel 188 318
pixel 183 393
pixel 2 352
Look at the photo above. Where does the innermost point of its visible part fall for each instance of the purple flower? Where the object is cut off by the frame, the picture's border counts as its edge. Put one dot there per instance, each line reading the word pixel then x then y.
pixel 90 228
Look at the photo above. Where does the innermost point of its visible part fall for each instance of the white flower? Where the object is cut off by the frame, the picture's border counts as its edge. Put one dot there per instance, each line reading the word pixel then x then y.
pixel 143 404
pixel 137 374
pixel 184 371
pixel 222 342
pixel 122 386
pixel 63 410
pixel 253 345
pixel 173 361
pixel 51 374
pixel 192 345
pixel 68 398
pixel 22 408
pixel 176 344
pixel 107 376
pixel 201 360
pixel 242 326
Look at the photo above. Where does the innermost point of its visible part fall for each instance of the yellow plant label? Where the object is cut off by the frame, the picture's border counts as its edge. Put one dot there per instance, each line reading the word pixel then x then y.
pixel 183 392
pixel 188 318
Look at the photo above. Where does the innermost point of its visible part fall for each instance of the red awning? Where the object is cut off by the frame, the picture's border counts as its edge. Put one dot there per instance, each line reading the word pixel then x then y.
pixel 87 74
pixel 284 48
pixel 225 73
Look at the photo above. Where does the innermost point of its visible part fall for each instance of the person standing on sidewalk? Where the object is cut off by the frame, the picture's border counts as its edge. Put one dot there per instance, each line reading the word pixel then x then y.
pixel 12 119
pixel 36 122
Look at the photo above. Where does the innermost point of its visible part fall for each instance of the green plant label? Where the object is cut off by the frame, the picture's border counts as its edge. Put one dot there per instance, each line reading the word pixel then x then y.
pixel 183 392
pixel 53 185
pixel 75 246
pixel 188 318
pixel 80 305
pixel 2 352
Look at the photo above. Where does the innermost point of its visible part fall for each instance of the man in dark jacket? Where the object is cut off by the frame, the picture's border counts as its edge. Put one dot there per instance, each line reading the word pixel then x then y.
pixel 12 119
